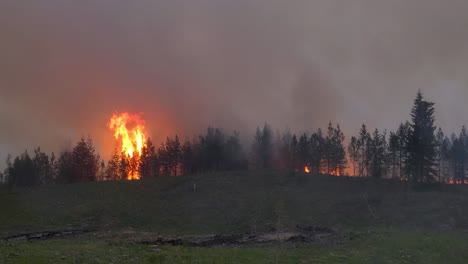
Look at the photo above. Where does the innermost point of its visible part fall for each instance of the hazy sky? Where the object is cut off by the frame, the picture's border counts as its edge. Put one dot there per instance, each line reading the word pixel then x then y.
pixel 66 66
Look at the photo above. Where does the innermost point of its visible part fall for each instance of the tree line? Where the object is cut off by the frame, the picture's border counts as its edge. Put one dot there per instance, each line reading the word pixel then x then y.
pixel 213 151
pixel 417 151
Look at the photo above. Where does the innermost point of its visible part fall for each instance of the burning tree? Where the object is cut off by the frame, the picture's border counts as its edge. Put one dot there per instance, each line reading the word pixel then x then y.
pixel 129 130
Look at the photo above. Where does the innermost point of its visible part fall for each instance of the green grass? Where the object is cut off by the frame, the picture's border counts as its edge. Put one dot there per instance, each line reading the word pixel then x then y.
pixel 378 246
pixel 427 227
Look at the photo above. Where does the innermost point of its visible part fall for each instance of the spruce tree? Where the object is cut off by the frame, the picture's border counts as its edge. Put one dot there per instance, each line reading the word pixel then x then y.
pixel 377 154
pixel 317 147
pixel 440 137
pixel 188 158
pixel 113 171
pixel 294 144
pixel 393 152
pixel 363 149
pixel 422 142
pixel 263 147
pixel 353 153
pixel 304 150
pixel 286 151
pixel 403 134
pixel 334 151
pixel 148 160
pixel 459 156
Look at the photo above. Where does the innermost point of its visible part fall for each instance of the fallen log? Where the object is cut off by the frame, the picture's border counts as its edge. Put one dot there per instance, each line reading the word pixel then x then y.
pixel 44 235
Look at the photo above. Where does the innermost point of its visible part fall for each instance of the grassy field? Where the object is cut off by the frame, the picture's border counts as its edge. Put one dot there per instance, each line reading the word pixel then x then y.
pixel 389 246
pixel 375 221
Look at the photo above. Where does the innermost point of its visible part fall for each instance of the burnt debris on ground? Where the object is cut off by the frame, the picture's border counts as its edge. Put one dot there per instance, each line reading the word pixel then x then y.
pixel 322 235
pixel 301 234
pixel 45 235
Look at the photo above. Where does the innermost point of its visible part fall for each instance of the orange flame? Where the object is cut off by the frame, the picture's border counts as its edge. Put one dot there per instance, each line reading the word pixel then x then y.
pixel 456 181
pixel 130 130
pixel 306 169
pixel 335 172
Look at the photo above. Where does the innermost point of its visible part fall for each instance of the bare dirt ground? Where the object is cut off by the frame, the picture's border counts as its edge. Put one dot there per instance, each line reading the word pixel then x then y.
pixel 322 235
pixel 308 234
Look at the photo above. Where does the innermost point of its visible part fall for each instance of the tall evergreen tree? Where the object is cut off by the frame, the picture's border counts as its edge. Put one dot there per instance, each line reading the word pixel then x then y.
pixel 85 161
pixel 53 167
pixel 198 159
pixel 303 149
pixel 188 158
pixel 263 147
pixel 422 142
pixel 393 152
pixel 113 171
pixel 317 147
pixel 294 151
pixel 440 138
pixel 174 153
pixel 149 161
pixel 353 152
pixel 164 159
pixel 335 154
pixel 101 173
pixel 21 172
pixel 329 149
pixel 403 134
pixel 42 166
pixel 363 150
pixel 65 168
pixel 212 149
pixel 377 154
pixel 234 157
pixel 459 156
pixel 445 149
pixel 286 151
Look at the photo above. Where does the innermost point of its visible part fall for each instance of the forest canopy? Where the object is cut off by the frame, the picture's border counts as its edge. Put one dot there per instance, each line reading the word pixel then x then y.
pixel 416 151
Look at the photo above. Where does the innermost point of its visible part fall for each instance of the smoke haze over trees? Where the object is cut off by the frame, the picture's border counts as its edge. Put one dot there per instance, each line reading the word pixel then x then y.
pixel 67 64
pixel 416 152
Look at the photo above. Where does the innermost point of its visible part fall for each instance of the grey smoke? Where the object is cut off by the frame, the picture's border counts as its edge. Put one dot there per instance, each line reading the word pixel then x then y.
pixel 66 66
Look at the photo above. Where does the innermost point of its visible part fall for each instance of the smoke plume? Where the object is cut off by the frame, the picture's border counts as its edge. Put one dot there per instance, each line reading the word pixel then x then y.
pixel 66 66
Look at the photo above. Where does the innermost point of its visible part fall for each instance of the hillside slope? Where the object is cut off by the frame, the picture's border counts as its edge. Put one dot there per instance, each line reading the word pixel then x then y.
pixel 233 202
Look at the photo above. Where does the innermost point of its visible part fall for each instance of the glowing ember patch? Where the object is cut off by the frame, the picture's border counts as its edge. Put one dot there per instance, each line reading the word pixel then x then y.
pixel 129 130
pixel 306 169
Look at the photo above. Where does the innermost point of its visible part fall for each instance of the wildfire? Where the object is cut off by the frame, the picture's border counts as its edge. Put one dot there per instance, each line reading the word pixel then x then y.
pixel 453 181
pixel 306 169
pixel 129 129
